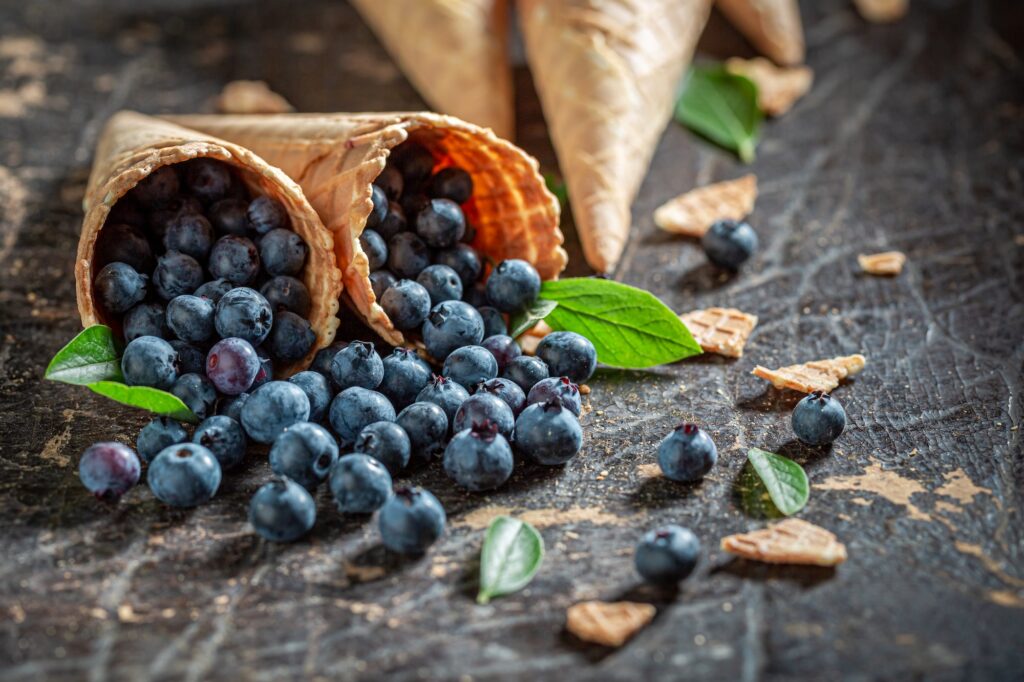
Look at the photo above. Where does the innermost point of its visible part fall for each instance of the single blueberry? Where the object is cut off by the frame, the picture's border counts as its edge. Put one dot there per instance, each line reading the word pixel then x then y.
pixel 479 458
pixel 451 325
pixel 228 216
pixel 324 358
pixel 291 338
pixel 287 293
pixel 272 408
pixel 109 470
pixel 197 392
pixel 224 437
pixel 184 475
pixel 390 180
pixel 513 286
pixel 357 365
pixel 266 214
pixel 494 322
pixel 507 390
pixel 318 389
pixel 157 188
pixel 160 433
pixel 232 365
pixel 191 234
pixel 207 179
pixel 393 223
pixel 386 441
pixel 470 365
pixel 355 408
pixel 407 255
pixel 441 282
pixel 235 259
pixel 728 243
pixel 124 243
pixel 561 388
pixel 687 454
pixel 145 319
pixel 464 260
pixel 381 281
pixel 477 409
pixel 119 288
pixel 190 358
pixel 667 555
pixel 426 424
pixel 231 406
pixel 176 274
pixel 411 521
pixel 444 393
pixel 568 354
pixel 547 433
pixel 405 375
pixel 214 290
pixel 283 252
pixel 451 183
pixel 149 361
pixel 190 317
pixel 525 371
pixel 243 313
pixel 375 248
pixel 379 209
pixel 282 510
pixel 414 162
pixel 305 453
pixel 360 484
pixel 441 223
pixel 161 218
pixel 406 303
pixel 503 348
pixel 818 419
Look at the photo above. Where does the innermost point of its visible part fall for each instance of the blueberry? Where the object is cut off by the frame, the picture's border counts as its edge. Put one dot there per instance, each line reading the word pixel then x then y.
pixel 411 521
pixel 235 259
pixel 444 393
pixel 283 252
pixel 360 484
pixel 318 389
pixel 390 180
pixel 118 287
pixel 287 293
pixel 109 470
pixel 381 281
pixel 291 338
pixel 405 375
pixel 272 408
pixel 379 209
pixel 355 408
pixel 224 437
pixel 176 274
pixel 357 365
pixel 548 433
pixel 162 218
pixel 441 223
pixel 190 358
pixel 503 348
pixel 507 390
pixel 124 243
pixel 426 424
pixel 232 406
pixel 414 161
pixel 184 475
pixel 568 354
pixel 470 365
pixel 479 458
pixel 190 318
pixel 513 286
pixel 477 409
pixel 244 313
pixel 145 319
pixel 157 188
pixel 305 453
pixel 406 303
pixel 818 419
pixel 451 183
pixel 228 216
pixel 494 322
pixel 441 282
pixel 207 179
pixel 375 248
pixel 464 260
pixel 214 290
pixel 324 358
pixel 266 214
pixel 386 441
pixel 393 223
pixel 667 555
pixel 525 371
pixel 197 392
pixel 160 433
pixel 191 234
pixel 557 387
pixel 728 243
pixel 232 365
pixel 149 361
pixel 407 255
pixel 282 511
pixel 687 454
pixel 451 325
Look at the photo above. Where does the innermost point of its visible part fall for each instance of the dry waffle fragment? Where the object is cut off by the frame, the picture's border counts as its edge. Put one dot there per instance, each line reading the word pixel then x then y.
pixel 777 87
pixel 692 213
pixel 817 375
pixel 882 11
pixel 792 541
pixel 720 330
pixel 608 624
pixel 887 263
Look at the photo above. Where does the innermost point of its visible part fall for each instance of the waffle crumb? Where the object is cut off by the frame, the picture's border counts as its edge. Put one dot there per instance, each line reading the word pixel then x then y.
pixel 720 330
pixel 778 87
pixel 888 263
pixel 792 541
pixel 817 375
pixel 608 624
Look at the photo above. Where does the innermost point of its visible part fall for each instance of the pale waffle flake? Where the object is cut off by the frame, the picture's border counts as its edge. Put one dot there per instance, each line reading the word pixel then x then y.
pixel 789 542
pixel 778 88
pixel 608 624
pixel 692 213
pixel 882 11
pixel 817 375
pixel 889 263
pixel 720 330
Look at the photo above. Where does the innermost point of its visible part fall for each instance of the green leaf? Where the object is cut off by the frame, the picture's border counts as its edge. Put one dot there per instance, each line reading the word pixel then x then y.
pixel 513 551
pixel 91 356
pixel 785 480
pixel 520 322
pixel 629 327
pixel 722 107
pixel 152 399
pixel 557 187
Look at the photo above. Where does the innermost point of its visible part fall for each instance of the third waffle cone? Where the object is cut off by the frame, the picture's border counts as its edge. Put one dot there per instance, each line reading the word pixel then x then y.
pixel 773 27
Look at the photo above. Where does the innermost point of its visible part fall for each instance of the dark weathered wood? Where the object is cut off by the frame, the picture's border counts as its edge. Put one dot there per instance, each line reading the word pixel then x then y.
pixel 912 138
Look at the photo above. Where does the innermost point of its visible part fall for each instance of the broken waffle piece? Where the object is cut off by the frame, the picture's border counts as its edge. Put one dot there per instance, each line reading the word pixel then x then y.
pixel 720 330
pixel 888 263
pixel 817 375
pixel 778 88
pixel 692 213
pixel 882 11
pixel 251 97
pixel 789 542
pixel 608 623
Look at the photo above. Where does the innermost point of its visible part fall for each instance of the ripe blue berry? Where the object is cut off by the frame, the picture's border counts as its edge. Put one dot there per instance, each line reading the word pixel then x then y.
pixel 393 223
pixel 411 521
pixel 568 354
pixel 728 243
pixel 478 458
pixel 291 337
pixel 414 161
pixel 158 434
pixel 503 348
pixel 451 183
pixel 160 219
pixel 283 252
pixel 441 282
pixel 176 274
pixel 190 318
pixel 386 441
pixel 358 364
pixel 381 281
pixel 548 433
pixel 245 314
pixel 687 454
pixel 197 392
pixel 407 255
pixel 494 323
pixel 324 358
pixel 272 408
pixel 375 248
pixel 507 390
pixel 305 453
pixel 207 179
pixel 426 425
pixel 818 419
pixel 124 243
pixel 360 484
pixel 477 409
pixel 513 286
pixel 190 358
pixel 266 214
pixel 157 188
pixel 191 234
pixel 214 289
pixel 379 200
pixel 282 510
pixel 451 325
pixel 525 371
pixel 557 387
pixel 145 319
pixel 470 365
pixel 476 295
pixel 406 303
pixel 667 555
pixel 390 180
pixel 441 223
pixel 464 260
pixel 444 393
pixel 228 216
pixel 234 259
pixel 318 389
pixel 355 408
pixel 224 437
pixel 118 287
pixel 184 475
pixel 232 406
pixel 405 375
pixel 149 361
pixel 232 365
pixel 109 470
pixel 287 293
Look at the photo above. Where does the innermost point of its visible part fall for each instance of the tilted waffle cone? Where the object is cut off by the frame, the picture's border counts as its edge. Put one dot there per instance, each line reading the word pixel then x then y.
pixel 133 145
pixel 773 27
pixel 455 52
pixel 335 158
pixel 607 72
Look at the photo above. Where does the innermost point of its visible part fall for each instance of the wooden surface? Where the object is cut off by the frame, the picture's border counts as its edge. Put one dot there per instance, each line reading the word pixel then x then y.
pixel 911 139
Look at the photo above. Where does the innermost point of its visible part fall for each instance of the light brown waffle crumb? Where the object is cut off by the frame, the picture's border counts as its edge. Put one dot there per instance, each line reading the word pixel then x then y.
pixel 817 375
pixel 720 330
pixel 887 263
pixel 608 624
pixel 692 213
pixel 251 97
pixel 882 11
pixel 584 389
pixel 792 541
pixel 778 87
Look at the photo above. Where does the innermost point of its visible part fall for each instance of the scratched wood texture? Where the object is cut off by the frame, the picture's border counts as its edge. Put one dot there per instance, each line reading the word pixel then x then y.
pixel 911 139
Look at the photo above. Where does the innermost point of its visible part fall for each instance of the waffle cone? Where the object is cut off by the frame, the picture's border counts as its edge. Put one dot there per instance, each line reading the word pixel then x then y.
pixel 773 27
pixel 133 145
pixel 607 74
pixel 455 52
pixel 335 158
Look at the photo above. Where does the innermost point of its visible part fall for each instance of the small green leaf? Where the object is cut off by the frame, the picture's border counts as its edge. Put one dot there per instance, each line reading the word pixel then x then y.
pixel 152 399
pixel 785 480
pixel 91 356
pixel 629 327
pixel 722 107
pixel 556 186
pixel 513 551
pixel 520 322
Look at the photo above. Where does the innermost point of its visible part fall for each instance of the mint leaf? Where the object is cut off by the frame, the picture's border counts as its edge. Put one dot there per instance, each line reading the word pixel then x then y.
pixel 513 551
pixel 785 480
pixel 152 399
pixel 629 327
pixel 722 107
pixel 520 322
pixel 90 356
